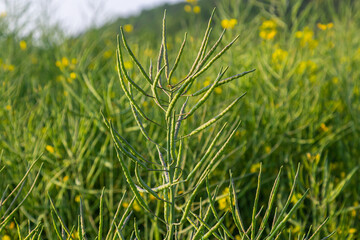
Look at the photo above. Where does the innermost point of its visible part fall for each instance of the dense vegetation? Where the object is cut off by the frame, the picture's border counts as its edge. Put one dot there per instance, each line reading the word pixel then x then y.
pixel 302 106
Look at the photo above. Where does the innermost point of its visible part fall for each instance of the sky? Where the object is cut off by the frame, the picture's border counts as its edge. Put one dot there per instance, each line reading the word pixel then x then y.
pixel 76 15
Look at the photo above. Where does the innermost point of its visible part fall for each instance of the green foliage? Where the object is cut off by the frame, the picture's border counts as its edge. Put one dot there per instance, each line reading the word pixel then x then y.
pixel 301 106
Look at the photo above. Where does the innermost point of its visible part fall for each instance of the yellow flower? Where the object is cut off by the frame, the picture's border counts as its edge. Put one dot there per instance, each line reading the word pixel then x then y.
pixel 66 178
pixel 136 206
pixel 187 8
pixel 335 80
pixel 330 25
pixel 307 38
pixel 11 225
pixel 125 204
pixel 325 26
pixel 8 67
pixel 75 235
pixel 50 149
pixel 58 64
pixel 299 34
pixel 23 45
pixel 268 24
pixel 323 127
pixel 11 67
pixel 191 1
pixel 74 61
pixel 255 167
pixel 64 62
pixel 218 90
pixel 309 66
pixel 207 82
pixel 128 28
pixel 278 57
pixel 77 198
pixel 3 14
pixel 353 213
pixel 295 198
pixel 322 26
pixel 224 201
pixel 352 230
pixel 196 9
pixel 145 104
pixel 128 65
pixel 267 149
pixel 237 237
pixel 8 107
pixel 6 237
pixel 72 75
pixel 268 30
pixel 295 229
pixel 228 24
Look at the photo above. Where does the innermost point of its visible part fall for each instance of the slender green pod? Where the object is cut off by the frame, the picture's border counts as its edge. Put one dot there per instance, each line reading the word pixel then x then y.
pixel 177 95
pixel 178 122
pixel 115 216
pixel 253 217
pixel 206 155
pixel 178 160
pixel 216 57
pixel 126 214
pixel 177 60
pixel 199 231
pixel 136 230
pixel 192 197
pixel 146 187
pixel 101 214
pixel 133 56
pixel 126 91
pixel 288 201
pixel 235 211
pixel 132 185
pixel 281 224
pixel 82 232
pixel 206 95
pixel 54 210
pixel 270 204
pixel 154 85
pixel 211 51
pixel 124 72
pixel 11 214
pixel 124 151
pixel 221 82
pixel 139 123
pixel 215 227
pixel 123 145
pixel 164 44
pixel 212 205
pixel 203 44
pixel 214 119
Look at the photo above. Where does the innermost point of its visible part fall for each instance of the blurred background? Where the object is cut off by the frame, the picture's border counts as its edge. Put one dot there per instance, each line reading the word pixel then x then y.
pixel 73 16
